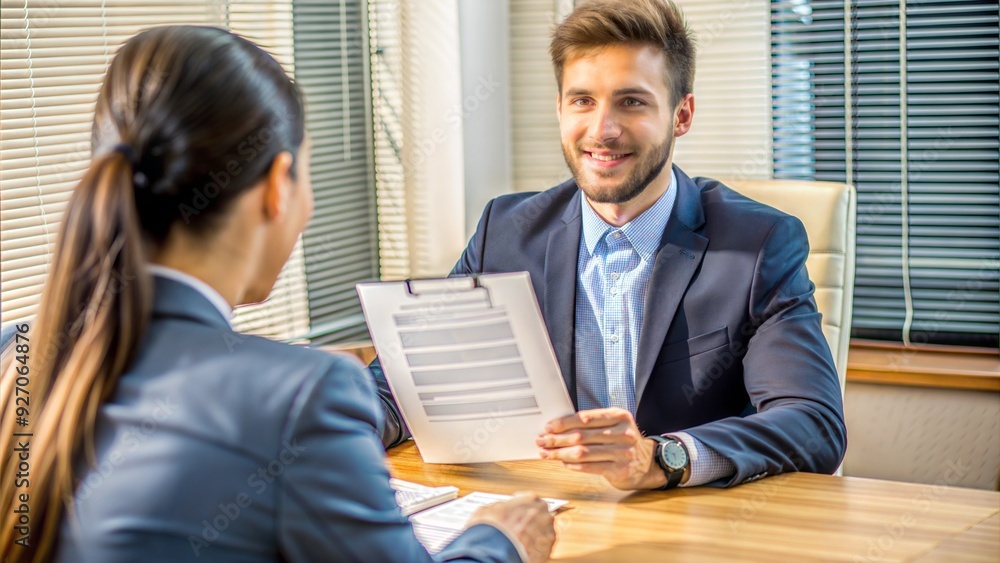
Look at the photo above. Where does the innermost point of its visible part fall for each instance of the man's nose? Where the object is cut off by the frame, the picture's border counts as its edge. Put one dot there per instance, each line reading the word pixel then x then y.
pixel 605 126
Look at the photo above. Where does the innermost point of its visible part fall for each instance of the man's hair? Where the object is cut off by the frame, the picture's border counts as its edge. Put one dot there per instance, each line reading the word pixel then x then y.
pixel 597 24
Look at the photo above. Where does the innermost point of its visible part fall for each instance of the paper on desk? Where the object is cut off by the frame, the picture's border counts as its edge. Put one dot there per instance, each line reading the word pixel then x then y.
pixel 469 362
pixel 414 497
pixel 437 527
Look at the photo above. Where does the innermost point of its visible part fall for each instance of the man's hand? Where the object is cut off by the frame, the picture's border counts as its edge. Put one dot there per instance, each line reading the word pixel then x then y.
pixel 606 442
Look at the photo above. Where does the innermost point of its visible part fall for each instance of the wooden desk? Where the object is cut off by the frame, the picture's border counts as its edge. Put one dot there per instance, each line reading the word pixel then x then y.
pixel 793 517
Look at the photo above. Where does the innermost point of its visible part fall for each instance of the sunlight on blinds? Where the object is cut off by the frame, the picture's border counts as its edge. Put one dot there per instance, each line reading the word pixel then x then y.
pixel 53 60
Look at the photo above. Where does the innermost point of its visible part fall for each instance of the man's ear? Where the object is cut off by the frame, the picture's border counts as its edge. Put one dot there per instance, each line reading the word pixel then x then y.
pixel 559 107
pixel 684 116
pixel 277 184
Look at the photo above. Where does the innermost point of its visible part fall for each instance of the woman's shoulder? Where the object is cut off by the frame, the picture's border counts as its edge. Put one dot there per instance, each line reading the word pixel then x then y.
pixel 325 392
pixel 218 355
pixel 332 380
pixel 303 367
pixel 260 384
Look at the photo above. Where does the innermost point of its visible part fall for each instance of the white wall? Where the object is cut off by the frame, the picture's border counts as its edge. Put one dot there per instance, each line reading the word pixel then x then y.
pixel 485 108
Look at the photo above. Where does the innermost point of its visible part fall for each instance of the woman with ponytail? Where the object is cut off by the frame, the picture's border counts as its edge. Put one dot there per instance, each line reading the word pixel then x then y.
pixel 156 432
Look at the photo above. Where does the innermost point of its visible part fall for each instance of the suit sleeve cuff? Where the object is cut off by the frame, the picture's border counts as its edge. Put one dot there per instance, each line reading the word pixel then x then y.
pixel 707 465
pixel 511 537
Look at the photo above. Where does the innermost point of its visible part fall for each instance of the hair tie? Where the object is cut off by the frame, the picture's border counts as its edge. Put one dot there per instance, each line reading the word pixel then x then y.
pixel 138 178
pixel 128 152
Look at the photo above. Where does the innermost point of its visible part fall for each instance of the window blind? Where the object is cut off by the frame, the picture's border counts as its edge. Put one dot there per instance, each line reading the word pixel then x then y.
pixel 731 136
pixel 53 60
pixel 285 314
pixel 536 153
pixel 388 95
pixel 341 244
pixel 902 99
pixel 418 114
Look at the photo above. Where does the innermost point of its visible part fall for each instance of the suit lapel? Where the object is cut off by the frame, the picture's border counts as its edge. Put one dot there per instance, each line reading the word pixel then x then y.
pixel 681 252
pixel 561 254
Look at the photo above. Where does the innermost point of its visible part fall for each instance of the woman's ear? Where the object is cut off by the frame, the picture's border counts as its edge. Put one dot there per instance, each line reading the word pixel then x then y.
pixel 277 185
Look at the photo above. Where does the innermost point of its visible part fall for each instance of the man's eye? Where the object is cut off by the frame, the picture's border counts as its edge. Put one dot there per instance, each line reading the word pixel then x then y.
pixel 632 102
pixel 581 102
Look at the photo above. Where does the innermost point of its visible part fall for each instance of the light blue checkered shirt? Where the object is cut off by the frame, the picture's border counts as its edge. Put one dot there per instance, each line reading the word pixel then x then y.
pixel 612 275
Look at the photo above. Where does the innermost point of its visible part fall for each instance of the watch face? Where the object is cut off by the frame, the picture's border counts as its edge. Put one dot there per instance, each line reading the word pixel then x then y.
pixel 674 455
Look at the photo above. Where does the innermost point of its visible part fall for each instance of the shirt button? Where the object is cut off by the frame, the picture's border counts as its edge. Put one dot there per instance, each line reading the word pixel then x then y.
pixel 614 338
pixel 618 234
pixel 614 275
pixel 614 291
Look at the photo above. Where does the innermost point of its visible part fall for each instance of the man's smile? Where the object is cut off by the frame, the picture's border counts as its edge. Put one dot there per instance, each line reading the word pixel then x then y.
pixel 606 159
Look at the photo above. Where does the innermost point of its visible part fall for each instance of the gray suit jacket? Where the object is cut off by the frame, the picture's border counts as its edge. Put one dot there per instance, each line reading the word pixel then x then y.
pixel 218 446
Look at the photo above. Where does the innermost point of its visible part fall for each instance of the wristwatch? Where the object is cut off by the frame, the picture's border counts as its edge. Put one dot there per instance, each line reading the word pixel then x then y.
pixel 672 456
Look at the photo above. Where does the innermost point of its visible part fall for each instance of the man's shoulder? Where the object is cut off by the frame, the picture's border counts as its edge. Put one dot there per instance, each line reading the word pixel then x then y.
pixel 534 204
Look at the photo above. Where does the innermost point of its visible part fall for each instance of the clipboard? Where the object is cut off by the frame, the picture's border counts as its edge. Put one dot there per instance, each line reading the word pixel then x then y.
pixel 469 362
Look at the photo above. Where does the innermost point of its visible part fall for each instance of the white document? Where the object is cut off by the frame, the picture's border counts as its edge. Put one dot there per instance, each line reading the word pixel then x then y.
pixel 437 527
pixel 469 362
pixel 414 497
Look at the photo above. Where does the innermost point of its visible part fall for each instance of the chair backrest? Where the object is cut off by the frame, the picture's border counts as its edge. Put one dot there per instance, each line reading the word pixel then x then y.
pixel 827 210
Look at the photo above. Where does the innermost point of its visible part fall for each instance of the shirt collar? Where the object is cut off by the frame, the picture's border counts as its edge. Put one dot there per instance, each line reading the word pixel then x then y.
pixel 207 291
pixel 643 232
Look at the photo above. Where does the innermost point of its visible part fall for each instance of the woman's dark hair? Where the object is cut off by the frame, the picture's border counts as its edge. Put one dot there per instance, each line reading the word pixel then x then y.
pixel 187 119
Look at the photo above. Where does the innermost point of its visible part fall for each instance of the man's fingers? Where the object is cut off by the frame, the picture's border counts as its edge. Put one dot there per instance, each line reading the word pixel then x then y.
pixel 618 434
pixel 594 418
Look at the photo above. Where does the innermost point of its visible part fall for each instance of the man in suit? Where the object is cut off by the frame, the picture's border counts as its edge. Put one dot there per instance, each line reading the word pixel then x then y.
pixel 688 337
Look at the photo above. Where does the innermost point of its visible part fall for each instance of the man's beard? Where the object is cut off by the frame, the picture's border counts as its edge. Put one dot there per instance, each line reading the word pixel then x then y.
pixel 643 173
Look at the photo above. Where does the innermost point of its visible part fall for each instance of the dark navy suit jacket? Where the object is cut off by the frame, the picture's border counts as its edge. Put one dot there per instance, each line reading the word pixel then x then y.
pixel 218 446
pixel 731 349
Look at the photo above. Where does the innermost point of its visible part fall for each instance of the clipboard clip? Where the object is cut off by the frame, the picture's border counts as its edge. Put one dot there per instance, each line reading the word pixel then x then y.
pixel 438 286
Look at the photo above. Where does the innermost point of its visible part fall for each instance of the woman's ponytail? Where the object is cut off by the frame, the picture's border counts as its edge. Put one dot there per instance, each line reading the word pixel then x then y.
pixel 96 305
